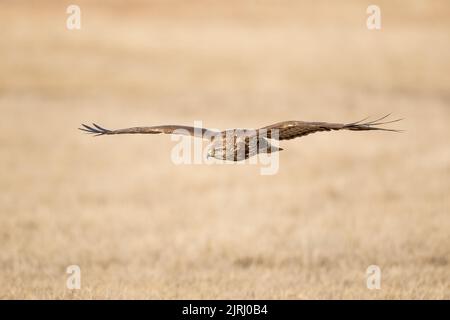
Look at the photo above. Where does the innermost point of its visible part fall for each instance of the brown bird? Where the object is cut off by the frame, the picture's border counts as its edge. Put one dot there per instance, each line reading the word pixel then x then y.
pixel 240 144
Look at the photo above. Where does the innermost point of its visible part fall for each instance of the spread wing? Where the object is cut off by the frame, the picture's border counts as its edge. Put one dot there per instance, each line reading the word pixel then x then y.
pixel 293 129
pixel 167 129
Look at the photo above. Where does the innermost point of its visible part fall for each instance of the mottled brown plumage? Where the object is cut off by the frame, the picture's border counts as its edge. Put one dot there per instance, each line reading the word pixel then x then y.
pixel 240 144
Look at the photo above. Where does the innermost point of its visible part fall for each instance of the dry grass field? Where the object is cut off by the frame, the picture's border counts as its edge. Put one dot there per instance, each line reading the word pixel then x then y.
pixel 140 226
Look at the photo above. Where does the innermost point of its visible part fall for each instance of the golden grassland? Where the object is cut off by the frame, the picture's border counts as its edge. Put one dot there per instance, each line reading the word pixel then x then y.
pixel 141 227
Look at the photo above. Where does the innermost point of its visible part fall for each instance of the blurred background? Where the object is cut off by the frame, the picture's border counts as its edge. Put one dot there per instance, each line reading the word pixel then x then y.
pixel 140 226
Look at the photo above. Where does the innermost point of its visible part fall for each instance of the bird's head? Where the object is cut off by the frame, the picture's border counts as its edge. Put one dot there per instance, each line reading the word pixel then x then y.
pixel 211 152
pixel 215 150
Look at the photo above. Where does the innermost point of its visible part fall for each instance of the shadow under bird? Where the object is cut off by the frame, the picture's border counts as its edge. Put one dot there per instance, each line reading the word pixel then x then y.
pixel 241 144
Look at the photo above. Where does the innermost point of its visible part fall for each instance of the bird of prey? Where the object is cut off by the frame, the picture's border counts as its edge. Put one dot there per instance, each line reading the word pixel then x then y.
pixel 241 144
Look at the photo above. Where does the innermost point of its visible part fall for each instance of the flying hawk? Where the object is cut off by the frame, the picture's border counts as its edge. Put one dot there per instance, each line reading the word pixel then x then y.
pixel 240 144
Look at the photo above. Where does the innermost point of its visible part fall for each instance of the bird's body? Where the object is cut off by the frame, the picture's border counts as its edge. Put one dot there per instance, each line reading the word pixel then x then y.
pixel 241 144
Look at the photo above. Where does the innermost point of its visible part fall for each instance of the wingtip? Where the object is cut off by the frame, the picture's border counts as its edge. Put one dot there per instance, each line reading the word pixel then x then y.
pixel 373 125
pixel 95 130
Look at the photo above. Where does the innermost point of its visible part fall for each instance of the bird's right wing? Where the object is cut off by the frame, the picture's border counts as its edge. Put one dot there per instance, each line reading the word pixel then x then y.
pixel 293 129
pixel 167 129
